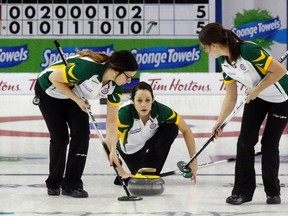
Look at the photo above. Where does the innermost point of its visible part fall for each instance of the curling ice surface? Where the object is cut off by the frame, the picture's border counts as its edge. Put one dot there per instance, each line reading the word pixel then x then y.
pixel 24 137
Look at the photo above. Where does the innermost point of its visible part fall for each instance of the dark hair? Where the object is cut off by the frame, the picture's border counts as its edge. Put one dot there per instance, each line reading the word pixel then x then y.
pixel 141 86
pixel 121 61
pixel 215 33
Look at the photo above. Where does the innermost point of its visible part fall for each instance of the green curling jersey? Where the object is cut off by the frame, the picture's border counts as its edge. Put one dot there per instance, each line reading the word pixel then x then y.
pixel 88 75
pixel 133 133
pixel 251 68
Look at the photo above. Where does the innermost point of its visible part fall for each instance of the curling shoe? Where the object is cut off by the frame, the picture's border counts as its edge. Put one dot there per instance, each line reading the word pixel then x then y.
pixel 273 200
pixel 53 192
pixel 238 199
pixel 76 193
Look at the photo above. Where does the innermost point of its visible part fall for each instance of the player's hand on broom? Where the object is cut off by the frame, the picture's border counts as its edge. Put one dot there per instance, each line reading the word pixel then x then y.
pixel 84 105
pixel 216 131
pixel 114 159
pixel 252 94
pixel 194 168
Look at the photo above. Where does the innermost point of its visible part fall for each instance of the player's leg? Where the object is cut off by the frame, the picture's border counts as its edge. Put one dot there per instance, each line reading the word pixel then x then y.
pixel 54 116
pixel 245 182
pixel 276 122
pixel 159 146
pixel 78 122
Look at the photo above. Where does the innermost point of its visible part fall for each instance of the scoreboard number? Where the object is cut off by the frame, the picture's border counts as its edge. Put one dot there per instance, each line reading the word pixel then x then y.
pixel 87 19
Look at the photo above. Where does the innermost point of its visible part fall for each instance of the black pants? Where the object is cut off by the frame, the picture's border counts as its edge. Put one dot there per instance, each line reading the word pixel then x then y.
pixel 61 115
pixel 155 151
pixel 253 116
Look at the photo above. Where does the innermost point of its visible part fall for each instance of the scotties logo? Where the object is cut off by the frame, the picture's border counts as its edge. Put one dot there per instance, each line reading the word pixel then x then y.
pixel 260 27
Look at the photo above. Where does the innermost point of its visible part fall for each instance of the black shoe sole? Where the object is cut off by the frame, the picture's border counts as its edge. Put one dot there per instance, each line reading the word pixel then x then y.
pixel 75 194
pixel 238 201
pixel 273 200
pixel 53 192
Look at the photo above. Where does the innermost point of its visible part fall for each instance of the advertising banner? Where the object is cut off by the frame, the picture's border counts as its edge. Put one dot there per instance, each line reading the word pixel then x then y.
pixel 187 83
pixel 162 83
pixel 33 55
pixel 263 22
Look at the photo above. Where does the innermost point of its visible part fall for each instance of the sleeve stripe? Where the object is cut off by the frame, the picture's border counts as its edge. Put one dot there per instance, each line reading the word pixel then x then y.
pixel 261 57
pixel 113 103
pixel 177 120
pixel 70 72
pixel 268 62
pixel 64 75
pixel 172 116
pixel 229 81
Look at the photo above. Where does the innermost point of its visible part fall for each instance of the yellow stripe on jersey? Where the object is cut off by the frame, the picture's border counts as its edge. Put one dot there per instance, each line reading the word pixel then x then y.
pixel 177 120
pixel 227 82
pixel 261 57
pixel 172 116
pixel 113 104
pixel 122 135
pixel 64 75
pixel 262 70
pixel 121 125
pixel 70 72
pixel 57 66
pixel 119 95
pixel 268 63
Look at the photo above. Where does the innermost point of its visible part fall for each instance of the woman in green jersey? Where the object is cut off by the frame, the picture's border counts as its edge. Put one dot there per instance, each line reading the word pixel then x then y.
pixel 248 63
pixel 147 129
pixel 98 76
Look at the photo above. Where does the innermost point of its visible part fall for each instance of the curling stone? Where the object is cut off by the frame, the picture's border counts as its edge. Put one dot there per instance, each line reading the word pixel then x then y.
pixel 146 185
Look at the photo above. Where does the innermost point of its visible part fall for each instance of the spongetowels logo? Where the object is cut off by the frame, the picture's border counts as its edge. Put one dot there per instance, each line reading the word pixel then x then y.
pixel 52 56
pixel 256 25
pixel 166 57
pixel 12 56
pixel 258 29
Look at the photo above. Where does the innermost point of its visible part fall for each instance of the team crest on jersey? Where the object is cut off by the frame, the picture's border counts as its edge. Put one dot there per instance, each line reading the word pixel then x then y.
pixel 242 66
pixel 153 125
pixel 105 90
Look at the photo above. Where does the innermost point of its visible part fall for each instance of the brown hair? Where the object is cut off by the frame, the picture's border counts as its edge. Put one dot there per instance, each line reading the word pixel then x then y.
pixel 141 86
pixel 121 61
pixel 95 56
pixel 215 33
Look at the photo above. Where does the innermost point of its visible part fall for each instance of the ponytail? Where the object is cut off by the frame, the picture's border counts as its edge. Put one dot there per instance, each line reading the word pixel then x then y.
pixel 215 33
pixel 233 43
pixel 95 56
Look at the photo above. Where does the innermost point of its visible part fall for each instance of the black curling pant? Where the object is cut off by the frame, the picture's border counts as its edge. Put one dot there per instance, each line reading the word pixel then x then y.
pixel 62 115
pixel 155 151
pixel 253 116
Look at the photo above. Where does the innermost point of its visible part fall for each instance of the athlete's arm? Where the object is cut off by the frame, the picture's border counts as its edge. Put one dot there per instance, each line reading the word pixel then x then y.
pixel 228 104
pixel 190 143
pixel 112 131
pixel 112 137
pixel 57 80
pixel 276 72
